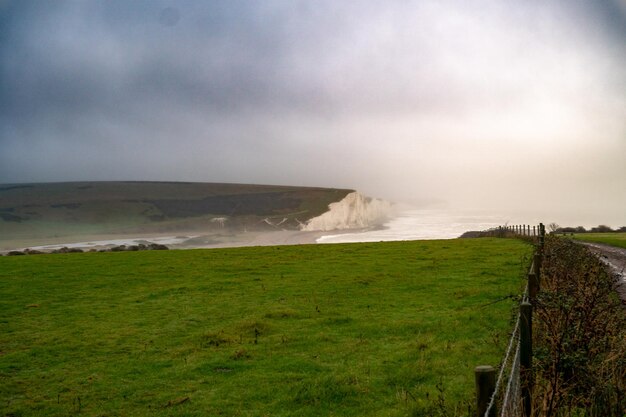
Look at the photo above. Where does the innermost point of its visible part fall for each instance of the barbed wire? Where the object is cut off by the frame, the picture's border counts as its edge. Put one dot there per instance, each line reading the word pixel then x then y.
pixel 511 399
pixel 504 365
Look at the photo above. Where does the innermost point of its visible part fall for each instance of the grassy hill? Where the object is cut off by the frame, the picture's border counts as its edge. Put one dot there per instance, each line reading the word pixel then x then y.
pixel 377 329
pixel 93 208
pixel 613 239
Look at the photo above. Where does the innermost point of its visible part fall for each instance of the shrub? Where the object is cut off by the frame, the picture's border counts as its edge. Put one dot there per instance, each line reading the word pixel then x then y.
pixel 579 335
pixel 601 229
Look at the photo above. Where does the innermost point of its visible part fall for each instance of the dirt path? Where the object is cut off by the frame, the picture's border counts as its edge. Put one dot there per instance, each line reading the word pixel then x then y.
pixel 615 258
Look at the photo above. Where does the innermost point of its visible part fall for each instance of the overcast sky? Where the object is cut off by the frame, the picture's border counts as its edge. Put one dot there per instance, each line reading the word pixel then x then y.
pixel 489 104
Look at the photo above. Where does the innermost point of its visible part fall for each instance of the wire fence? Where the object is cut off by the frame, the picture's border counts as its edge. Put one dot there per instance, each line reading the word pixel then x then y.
pixel 512 400
pixel 507 398
pixel 511 396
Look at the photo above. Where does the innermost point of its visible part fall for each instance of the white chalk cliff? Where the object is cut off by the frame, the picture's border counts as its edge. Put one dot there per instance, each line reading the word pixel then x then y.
pixel 355 211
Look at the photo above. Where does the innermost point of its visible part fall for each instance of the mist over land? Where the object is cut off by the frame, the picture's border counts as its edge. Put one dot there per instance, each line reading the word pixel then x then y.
pixel 509 107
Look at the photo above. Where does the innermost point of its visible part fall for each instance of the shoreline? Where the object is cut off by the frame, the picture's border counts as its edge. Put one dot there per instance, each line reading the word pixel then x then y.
pixel 403 225
pixel 182 240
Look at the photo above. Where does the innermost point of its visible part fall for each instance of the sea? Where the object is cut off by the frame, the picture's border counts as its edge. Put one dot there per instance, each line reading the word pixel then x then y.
pixel 416 224
pixel 408 224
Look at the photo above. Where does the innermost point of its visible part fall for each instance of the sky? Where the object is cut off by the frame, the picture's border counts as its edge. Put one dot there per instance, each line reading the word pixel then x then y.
pixel 499 105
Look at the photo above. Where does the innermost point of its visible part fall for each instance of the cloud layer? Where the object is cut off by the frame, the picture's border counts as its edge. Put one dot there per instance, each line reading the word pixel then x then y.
pixel 491 104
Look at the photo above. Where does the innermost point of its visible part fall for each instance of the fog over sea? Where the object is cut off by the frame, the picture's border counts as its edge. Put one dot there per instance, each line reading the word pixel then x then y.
pixel 416 224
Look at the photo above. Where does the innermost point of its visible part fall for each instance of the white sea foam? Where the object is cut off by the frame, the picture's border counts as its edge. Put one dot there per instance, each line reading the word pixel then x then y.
pixel 421 224
pixel 163 240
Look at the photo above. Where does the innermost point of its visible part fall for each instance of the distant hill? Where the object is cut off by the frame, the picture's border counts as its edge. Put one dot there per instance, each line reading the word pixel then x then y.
pixel 92 208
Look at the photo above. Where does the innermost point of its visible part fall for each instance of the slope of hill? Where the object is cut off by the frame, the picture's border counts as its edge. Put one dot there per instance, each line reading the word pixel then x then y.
pixel 53 210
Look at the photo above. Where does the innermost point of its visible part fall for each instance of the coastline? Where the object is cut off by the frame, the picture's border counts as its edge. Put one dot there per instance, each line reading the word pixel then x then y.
pixel 419 224
pixel 408 224
pixel 195 240
pixel 353 214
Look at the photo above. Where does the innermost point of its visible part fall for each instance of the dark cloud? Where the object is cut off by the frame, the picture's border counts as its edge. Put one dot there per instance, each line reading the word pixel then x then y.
pixel 417 100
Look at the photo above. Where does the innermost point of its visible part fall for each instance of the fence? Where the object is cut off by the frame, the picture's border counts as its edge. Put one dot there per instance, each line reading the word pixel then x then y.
pixel 510 393
pixel 521 230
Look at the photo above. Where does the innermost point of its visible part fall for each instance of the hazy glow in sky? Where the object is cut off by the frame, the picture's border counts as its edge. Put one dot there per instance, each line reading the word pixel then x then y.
pixel 494 104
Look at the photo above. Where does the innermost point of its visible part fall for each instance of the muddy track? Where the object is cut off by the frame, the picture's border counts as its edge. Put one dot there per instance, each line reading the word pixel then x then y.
pixel 615 259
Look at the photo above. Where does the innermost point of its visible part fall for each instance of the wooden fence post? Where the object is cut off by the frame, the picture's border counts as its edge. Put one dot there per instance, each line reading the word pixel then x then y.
pixel 485 377
pixel 526 357
pixel 537 261
pixel 533 286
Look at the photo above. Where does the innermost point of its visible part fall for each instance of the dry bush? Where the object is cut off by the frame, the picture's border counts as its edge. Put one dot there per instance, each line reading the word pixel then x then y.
pixel 579 336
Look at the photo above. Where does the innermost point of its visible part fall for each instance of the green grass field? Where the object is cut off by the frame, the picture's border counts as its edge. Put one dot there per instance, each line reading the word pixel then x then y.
pixel 613 239
pixel 383 329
